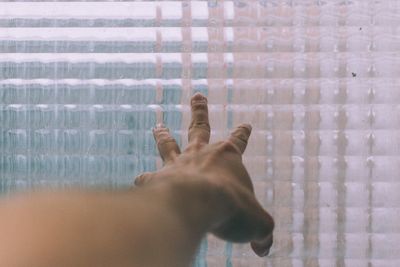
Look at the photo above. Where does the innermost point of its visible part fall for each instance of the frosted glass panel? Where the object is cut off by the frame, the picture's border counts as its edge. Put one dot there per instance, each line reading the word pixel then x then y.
pixel 83 83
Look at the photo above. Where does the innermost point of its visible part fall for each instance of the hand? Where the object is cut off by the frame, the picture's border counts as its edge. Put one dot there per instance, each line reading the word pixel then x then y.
pixel 220 166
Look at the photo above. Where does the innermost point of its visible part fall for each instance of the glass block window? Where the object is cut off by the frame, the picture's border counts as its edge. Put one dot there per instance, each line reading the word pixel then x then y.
pixel 82 84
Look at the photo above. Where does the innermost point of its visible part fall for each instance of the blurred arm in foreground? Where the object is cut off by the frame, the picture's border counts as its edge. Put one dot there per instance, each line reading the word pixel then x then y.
pixel 161 222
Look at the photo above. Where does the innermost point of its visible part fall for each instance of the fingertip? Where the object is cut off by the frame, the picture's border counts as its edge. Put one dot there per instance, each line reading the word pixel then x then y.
pixel 261 252
pixel 198 97
pixel 159 125
pixel 262 247
pixel 142 179
pixel 240 136
pixel 246 126
pixel 139 180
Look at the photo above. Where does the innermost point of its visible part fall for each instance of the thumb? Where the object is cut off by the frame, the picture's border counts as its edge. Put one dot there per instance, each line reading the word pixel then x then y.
pixel 250 222
pixel 262 247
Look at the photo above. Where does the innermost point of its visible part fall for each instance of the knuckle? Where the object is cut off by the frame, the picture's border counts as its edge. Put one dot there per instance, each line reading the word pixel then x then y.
pixel 195 146
pixel 241 136
pixel 198 97
pixel 159 131
pixel 199 106
pixel 218 144
pixel 271 223
pixel 241 133
pixel 245 126
pixel 201 125
pixel 165 140
pixel 229 146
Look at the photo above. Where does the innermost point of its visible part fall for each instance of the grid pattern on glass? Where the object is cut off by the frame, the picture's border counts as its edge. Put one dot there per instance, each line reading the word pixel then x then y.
pixel 82 84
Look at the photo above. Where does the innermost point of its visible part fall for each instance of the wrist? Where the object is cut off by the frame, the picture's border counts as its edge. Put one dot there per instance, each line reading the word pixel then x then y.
pixel 201 204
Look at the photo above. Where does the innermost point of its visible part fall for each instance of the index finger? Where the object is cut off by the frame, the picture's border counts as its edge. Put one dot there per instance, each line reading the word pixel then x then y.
pixel 240 136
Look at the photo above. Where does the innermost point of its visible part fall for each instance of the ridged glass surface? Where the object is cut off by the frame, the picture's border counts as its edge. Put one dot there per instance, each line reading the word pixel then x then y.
pixel 83 83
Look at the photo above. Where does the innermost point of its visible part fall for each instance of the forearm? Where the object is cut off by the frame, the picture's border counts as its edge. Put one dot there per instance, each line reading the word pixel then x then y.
pixel 154 226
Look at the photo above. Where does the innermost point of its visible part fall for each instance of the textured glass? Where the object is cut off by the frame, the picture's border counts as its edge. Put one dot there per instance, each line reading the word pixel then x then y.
pixel 83 83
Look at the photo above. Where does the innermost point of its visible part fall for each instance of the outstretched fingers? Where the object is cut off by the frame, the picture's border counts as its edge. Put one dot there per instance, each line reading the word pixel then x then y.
pixel 199 129
pixel 166 144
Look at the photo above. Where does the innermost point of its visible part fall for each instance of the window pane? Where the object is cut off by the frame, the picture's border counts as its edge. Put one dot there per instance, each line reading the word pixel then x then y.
pixel 82 84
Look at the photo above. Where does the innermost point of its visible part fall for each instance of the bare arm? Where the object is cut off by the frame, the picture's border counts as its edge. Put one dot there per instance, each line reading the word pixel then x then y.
pixel 204 189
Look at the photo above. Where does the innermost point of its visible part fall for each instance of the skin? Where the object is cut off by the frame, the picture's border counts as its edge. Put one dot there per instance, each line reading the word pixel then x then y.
pixel 161 222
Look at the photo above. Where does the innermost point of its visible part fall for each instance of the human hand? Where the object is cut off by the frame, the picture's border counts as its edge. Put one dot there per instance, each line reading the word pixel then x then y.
pixel 220 166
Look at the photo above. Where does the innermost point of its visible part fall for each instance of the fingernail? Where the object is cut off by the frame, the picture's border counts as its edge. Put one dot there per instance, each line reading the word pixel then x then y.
pixel 160 125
